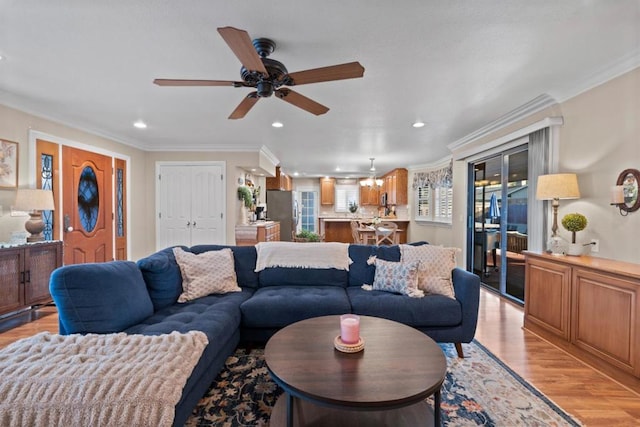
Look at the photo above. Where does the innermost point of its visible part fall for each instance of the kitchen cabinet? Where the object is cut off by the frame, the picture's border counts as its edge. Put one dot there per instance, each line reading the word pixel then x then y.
pixel 369 196
pixel 281 181
pixel 396 186
pixel 327 191
pixel 249 235
pixel 24 274
pixel 589 307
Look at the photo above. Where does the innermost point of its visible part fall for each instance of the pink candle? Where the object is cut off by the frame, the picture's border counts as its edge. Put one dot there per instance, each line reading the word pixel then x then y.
pixel 349 328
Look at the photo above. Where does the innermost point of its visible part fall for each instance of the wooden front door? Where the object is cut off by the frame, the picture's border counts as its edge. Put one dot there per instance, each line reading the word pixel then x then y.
pixel 87 206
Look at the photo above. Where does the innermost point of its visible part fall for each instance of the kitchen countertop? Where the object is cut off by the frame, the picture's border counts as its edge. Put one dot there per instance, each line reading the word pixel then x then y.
pixel 257 224
pixel 364 219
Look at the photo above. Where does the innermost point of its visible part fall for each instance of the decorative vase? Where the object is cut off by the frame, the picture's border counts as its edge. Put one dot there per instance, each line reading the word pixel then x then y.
pixel 574 249
pixel 242 215
pixel 557 245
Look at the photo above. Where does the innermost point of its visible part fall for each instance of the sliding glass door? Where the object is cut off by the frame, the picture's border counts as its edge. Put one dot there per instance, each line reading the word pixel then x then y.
pixel 498 232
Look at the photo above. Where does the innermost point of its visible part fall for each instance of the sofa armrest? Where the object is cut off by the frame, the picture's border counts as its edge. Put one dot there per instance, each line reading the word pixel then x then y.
pixel 467 289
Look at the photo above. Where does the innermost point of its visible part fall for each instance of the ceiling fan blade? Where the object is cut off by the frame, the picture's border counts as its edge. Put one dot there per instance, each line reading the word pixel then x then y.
pixel 174 82
pixel 301 101
pixel 240 43
pixel 243 108
pixel 350 70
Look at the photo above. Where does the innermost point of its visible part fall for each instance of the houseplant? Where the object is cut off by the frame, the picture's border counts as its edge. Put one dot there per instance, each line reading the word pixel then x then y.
pixel 307 236
pixel 574 222
pixel 353 207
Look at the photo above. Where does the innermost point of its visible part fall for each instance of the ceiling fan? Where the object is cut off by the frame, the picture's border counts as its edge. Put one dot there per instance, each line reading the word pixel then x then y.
pixel 268 76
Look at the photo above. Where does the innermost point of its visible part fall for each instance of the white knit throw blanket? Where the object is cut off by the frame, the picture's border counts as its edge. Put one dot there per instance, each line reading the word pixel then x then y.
pixel 302 255
pixel 96 380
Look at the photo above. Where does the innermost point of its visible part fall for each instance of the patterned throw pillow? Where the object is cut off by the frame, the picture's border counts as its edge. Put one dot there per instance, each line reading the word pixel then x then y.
pixel 436 264
pixel 210 272
pixel 399 277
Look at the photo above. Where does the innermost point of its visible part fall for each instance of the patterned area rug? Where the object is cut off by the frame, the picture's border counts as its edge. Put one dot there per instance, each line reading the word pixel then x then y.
pixel 479 390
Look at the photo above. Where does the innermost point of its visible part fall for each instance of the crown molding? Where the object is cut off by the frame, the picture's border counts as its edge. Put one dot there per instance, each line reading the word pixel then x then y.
pixel 623 65
pixel 438 164
pixel 537 104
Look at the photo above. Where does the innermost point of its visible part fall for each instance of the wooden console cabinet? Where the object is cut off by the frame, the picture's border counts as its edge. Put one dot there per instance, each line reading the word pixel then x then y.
pixel 24 274
pixel 589 307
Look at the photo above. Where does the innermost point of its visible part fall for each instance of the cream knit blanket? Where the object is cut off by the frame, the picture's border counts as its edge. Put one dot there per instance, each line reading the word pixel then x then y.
pixel 302 255
pixel 96 380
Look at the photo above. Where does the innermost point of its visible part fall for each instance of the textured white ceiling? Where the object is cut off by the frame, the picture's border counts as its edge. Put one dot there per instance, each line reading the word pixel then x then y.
pixel 456 65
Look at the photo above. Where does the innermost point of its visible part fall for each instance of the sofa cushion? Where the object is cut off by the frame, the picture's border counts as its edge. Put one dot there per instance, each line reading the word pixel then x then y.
pixel 162 276
pixel 398 277
pixel 218 316
pixel 244 258
pixel 100 298
pixel 279 306
pixel 363 273
pixel 430 311
pixel 289 276
pixel 210 272
pixel 436 264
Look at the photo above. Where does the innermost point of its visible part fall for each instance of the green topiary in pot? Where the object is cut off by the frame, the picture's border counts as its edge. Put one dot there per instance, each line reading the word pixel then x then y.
pixel 574 222
pixel 245 194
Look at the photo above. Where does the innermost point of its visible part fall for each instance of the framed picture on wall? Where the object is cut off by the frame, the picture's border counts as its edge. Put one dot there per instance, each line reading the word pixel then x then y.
pixel 8 164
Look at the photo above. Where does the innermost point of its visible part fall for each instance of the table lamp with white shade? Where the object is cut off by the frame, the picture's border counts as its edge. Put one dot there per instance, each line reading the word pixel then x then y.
pixel 555 187
pixel 34 201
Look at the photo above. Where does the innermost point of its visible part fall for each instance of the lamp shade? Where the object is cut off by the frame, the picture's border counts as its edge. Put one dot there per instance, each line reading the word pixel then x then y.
pixel 558 186
pixel 28 199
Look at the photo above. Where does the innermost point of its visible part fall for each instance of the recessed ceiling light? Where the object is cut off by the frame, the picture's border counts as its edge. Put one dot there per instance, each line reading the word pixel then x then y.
pixel 277 124
pixel 418 124
pixel 140 124
pixel 296 174
pixel 337 168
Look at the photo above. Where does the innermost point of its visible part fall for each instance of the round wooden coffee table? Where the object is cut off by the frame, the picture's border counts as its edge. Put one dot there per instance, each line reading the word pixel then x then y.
pixel 384 385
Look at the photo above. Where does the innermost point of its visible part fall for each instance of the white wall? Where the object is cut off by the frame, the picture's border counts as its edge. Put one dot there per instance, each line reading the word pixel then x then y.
pixel 15 126
pixel 600 137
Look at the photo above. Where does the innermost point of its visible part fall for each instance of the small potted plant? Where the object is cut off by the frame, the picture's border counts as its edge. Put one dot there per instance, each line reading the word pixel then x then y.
pixel 307 236
pixel 574 222
pixel 353 207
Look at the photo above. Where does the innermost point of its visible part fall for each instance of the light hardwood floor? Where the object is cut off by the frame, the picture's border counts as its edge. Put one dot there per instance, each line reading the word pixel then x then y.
pixel 585 393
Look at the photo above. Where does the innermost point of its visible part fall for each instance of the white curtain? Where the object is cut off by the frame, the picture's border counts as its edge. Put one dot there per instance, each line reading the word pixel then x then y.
pixel 538 165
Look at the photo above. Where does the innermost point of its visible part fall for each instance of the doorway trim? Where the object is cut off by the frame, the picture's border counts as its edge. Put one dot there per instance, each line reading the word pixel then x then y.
pixel 35 135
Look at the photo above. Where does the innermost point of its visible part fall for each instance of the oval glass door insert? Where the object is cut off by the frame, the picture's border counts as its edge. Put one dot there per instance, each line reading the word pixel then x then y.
pixel 88 199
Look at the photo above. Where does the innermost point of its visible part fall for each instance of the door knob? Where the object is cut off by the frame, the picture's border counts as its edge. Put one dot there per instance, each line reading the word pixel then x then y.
pixel 67 224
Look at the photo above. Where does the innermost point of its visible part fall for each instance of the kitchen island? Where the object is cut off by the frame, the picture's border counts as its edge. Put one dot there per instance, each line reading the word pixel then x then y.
pixel 338 229
pixel 259 231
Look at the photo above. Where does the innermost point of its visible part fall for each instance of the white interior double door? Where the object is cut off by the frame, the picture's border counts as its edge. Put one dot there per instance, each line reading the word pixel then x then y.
pixel 190 203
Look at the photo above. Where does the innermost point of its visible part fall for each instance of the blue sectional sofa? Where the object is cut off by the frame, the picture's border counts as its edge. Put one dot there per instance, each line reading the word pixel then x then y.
pixel 141 298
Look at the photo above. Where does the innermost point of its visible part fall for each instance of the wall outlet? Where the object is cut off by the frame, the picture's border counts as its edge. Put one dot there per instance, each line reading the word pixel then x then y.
pixel 595 245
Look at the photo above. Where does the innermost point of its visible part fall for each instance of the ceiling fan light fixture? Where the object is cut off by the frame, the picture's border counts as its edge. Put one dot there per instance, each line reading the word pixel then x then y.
pixel 418 124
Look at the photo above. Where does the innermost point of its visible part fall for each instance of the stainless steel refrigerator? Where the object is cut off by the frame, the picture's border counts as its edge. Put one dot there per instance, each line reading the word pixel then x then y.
pixel 282 207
